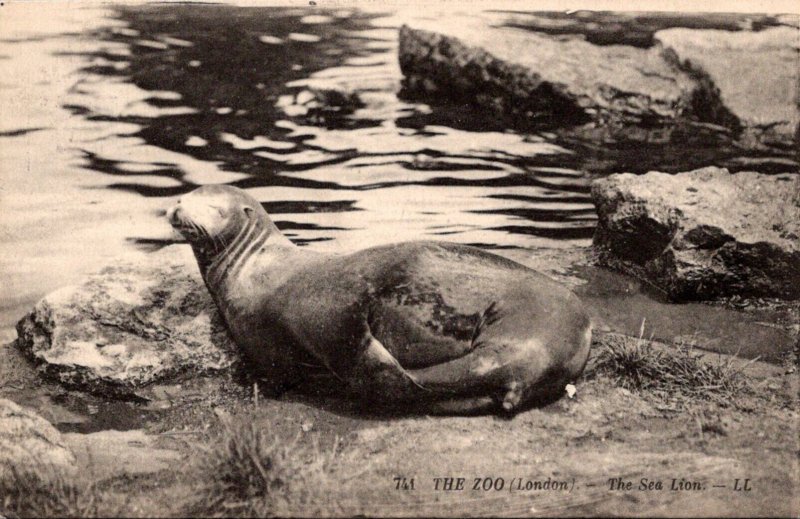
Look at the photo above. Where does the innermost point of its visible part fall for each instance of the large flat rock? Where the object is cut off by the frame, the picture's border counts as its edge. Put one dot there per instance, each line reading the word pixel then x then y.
pixel 148 318
pixel 757 74
pixel 703 234
pixel 534 77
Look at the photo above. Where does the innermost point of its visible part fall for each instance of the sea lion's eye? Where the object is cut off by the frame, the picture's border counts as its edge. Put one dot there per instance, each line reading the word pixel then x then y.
pixel 219 209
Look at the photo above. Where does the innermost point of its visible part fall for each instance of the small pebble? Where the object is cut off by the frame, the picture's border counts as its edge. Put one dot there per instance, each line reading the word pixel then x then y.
pixel 571 390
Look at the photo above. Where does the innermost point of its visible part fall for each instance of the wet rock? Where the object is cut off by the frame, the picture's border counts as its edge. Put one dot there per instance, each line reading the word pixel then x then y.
pixel 528 77
pixel 148 318
pixel 757 75
pixel 703 234
pixel 29 442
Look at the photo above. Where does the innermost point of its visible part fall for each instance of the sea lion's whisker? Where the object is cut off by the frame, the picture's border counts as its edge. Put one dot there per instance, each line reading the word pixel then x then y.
pixel 207 238
pixel 217 241
pixel 192 226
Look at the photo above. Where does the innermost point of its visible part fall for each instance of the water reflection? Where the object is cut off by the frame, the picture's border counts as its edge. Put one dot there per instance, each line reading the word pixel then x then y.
pixel 245 95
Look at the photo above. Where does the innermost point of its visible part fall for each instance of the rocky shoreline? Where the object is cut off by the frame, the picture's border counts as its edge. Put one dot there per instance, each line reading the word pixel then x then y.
pixel 703 234
pixel 686 77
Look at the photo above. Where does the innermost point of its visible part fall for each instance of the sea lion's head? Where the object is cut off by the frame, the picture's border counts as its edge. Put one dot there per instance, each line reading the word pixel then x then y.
pixel 212 218
pixel 213 212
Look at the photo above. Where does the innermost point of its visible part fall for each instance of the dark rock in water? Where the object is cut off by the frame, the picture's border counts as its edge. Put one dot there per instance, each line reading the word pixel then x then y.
pixel 757 74
pixel 146 319
pixel 321 104
pixel 29 443
pixel 703 234
pixel 532 78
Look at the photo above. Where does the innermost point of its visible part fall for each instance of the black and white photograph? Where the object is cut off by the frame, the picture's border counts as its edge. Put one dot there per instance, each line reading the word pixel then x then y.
pixel 362 258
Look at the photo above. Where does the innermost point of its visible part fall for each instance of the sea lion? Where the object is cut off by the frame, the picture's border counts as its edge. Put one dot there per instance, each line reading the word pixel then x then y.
pixel 439 326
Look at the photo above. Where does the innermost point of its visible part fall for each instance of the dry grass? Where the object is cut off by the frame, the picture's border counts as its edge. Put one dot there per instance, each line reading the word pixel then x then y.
pixel 46 492
pixel 246 468
pixel 249 470
pixel 679 373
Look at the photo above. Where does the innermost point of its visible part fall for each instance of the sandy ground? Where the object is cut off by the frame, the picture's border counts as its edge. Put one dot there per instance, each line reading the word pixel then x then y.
pixel 573 457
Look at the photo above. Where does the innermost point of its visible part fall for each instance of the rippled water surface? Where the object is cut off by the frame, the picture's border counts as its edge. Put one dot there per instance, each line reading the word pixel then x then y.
pixel 234 88
pixel 108 114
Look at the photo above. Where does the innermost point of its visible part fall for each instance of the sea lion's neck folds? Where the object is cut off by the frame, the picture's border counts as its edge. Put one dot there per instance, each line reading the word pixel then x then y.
pixel 230 260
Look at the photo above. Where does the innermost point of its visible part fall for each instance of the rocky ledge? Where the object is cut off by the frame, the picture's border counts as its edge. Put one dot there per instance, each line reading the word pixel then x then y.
pixel 526 76
pixel 684 77
pixel 703 234
pixel 146 319
pixel 757 75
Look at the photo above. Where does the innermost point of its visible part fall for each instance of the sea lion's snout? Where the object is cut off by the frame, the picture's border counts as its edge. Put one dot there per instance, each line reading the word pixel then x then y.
pixel 192 219
pixel 174 216
pixel 178 219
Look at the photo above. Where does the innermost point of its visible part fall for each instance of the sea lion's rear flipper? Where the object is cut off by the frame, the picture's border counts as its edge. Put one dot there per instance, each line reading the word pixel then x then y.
pixel 377 363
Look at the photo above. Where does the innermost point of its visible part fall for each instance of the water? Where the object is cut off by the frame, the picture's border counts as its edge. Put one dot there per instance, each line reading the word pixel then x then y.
pixel 108 114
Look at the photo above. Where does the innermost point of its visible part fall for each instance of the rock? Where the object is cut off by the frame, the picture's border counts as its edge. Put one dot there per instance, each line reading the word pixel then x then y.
pixel 757 74
pixel 528 77
pixel 29 442
pixel 148 318
pixel 636 28
pixel 703 234
pixel 114 453
pixel 792 20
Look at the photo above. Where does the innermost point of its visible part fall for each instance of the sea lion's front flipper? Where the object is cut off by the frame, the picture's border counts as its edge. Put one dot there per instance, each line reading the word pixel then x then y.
pixel 380 367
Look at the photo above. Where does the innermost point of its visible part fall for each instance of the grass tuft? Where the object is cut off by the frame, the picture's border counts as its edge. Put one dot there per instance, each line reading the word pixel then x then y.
pixel 681 372
pixel 248 470
pixel 44 491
